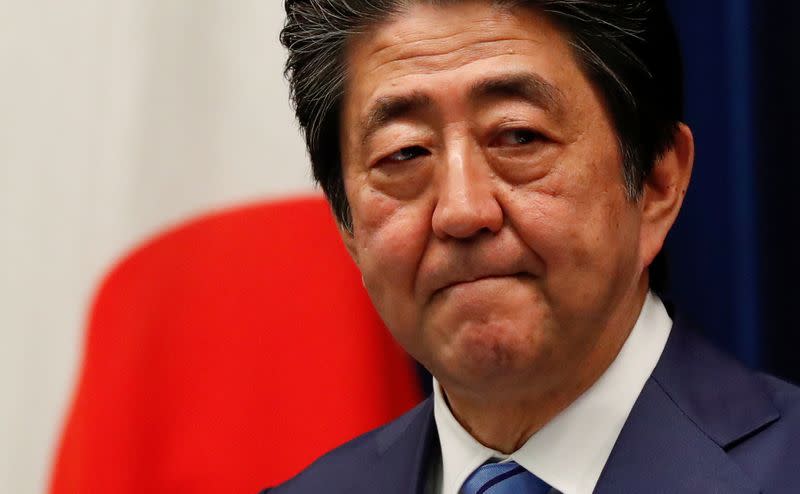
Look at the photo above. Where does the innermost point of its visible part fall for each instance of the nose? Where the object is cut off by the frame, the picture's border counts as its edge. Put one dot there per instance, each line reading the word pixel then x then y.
pixel 466 204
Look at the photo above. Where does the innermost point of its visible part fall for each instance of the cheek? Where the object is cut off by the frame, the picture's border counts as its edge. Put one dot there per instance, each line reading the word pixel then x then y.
pixel 551 226
pixel 390 238
pixel 584 236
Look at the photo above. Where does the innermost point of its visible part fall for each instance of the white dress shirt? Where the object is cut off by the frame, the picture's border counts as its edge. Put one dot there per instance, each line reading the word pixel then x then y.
pixel 570 451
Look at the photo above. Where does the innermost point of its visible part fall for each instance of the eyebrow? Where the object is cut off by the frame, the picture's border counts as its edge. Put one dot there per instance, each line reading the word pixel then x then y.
pixel 388 108
pixel 524 85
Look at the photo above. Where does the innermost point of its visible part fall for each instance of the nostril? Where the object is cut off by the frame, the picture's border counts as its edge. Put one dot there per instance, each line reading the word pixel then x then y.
pixel 466 205
pixel 466 222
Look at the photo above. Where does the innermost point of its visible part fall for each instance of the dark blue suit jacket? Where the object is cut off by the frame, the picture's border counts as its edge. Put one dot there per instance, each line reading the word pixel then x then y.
pixel 702 424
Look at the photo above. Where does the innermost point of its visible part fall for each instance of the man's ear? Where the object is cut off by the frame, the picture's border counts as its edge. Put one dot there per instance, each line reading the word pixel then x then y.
pixel 664 190
pixel 349 241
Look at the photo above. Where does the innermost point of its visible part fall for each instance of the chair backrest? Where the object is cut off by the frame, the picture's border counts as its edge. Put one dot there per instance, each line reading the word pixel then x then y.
pixel 227 354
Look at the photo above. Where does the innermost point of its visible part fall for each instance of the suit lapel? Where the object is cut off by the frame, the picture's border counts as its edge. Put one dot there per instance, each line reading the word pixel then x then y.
pixel 661 451
pixel 403 450
pixel 696 404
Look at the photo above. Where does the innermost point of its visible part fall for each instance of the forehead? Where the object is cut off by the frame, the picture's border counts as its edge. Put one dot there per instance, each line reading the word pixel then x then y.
pixel 448 29
pixel 434 48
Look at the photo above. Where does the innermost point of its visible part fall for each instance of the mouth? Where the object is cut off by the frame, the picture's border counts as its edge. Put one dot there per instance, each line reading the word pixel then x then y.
pixel 479 279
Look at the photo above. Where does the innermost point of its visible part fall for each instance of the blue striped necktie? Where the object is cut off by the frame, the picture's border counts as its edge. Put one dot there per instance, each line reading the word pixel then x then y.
pixel 503 478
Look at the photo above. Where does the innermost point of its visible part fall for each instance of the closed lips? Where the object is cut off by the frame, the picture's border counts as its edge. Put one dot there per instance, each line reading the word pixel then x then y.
pixel 477 278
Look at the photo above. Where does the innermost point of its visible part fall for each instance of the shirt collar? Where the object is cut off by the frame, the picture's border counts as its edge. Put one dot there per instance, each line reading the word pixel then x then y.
pixel 570 451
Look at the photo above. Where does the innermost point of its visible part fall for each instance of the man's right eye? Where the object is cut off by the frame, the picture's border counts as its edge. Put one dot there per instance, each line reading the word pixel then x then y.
pixel 406 154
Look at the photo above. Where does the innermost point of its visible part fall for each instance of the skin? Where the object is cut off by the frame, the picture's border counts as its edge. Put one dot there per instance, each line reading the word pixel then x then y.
pixel 490 220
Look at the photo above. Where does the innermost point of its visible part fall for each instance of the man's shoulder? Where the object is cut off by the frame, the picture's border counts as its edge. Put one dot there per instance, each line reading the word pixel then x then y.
pixel 785 396
pixel 752 416
pixel 706 423
pixel 710 384
pixel 769 454
pixel 337 470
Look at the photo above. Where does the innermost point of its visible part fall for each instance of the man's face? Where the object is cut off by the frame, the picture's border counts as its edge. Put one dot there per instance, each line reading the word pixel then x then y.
pixel 491 224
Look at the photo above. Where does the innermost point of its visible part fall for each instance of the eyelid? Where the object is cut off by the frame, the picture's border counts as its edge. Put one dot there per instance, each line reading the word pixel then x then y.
pixel 420 151
pixel 397 136
pixel 534 135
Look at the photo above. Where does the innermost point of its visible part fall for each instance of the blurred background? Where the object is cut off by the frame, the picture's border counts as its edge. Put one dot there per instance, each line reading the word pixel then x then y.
pixel 121 119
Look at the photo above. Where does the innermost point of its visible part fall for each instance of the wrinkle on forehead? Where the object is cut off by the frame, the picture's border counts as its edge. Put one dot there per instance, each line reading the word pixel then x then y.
pixel 448 57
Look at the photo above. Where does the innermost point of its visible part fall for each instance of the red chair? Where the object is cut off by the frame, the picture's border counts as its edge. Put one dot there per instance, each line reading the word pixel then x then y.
pixel 227 354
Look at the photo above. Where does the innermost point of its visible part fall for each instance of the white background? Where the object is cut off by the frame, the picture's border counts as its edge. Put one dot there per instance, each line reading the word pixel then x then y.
pixel 118 118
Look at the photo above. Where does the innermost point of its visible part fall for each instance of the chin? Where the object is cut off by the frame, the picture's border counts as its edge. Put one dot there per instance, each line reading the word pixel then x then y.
pixel 492 352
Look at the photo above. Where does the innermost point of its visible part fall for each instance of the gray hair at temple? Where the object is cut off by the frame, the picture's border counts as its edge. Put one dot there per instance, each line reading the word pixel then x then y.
pixel 627 49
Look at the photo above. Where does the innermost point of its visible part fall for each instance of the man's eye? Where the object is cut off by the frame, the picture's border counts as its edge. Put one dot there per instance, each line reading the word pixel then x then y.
pixel 515 137
pixel 407 154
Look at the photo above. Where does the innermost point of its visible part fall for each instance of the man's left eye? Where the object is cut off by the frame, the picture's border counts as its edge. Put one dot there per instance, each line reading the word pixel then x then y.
pixel 515 137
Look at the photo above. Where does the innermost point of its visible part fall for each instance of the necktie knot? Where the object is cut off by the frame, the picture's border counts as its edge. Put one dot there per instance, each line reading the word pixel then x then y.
pixel 503 478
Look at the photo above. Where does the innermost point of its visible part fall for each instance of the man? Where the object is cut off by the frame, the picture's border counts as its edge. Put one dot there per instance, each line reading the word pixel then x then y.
pixel 504 174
